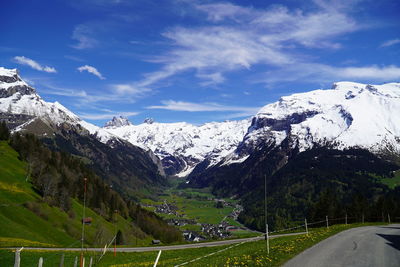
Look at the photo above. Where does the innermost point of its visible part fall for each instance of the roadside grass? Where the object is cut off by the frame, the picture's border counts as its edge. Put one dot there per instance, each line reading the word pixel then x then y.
pixel 247 254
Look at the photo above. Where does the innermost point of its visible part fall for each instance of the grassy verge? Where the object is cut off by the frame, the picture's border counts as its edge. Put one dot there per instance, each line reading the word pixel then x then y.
pixel 247 254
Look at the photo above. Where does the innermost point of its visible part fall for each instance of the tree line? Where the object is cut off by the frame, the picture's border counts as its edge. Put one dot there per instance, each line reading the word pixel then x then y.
pixel 60 177
pixel 324 182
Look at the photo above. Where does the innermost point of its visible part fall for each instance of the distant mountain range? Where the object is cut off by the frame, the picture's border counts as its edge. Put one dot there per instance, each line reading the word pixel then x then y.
pixel 231 157
pixel 348 115
pixel 181 146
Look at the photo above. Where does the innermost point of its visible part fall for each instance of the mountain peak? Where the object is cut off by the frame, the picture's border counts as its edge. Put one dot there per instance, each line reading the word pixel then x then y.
pixel 148 121
pixel 11 83
pixel 8 72
pixel 118 122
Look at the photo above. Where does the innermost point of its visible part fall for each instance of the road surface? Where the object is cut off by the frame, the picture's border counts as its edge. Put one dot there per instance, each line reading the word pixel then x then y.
pixel 174 247
pixel 364 246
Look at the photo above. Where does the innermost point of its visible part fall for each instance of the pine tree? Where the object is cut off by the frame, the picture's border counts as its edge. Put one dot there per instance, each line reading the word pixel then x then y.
pixel 4 132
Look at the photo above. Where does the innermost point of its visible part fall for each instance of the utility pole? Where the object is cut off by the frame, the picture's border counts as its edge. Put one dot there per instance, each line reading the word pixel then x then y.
pixel 266 221
pixel 83 223
pixel 115 230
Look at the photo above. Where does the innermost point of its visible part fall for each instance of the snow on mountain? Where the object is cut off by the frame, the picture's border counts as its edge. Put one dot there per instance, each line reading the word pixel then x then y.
pixel 17 97
pixel 348 115
pixel 184 144
pixel 118 122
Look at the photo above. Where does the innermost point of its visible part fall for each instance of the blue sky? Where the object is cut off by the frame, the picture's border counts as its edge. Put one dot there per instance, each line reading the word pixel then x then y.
pixel 194 61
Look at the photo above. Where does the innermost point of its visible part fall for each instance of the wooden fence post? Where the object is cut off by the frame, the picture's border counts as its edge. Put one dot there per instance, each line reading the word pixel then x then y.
pixel 305 221
pixel 62 261
pixel 17 261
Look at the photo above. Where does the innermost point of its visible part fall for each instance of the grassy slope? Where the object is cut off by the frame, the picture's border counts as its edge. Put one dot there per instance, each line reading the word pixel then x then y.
pixel 248 254
pixel 20 226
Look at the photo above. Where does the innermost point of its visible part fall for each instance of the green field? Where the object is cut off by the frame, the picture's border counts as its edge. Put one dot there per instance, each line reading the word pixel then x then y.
pixel 25 220
pixel 246 254
pixel 392 182
pixel 197 204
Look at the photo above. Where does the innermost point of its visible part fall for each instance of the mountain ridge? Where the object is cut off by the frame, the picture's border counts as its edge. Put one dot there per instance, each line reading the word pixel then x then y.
pixel 127 167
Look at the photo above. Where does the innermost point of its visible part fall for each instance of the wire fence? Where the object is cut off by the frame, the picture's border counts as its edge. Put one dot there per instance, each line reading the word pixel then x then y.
pixel 327 222
pixel 303 228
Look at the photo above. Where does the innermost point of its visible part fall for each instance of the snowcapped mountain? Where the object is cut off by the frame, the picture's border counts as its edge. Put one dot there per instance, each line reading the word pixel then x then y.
pixel 128 168
pixel 17 97
pixel 181 146
pixel 118 122
pixel 348 115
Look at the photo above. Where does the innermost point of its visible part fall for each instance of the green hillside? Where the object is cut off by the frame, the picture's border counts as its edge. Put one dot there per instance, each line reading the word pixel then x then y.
pixel 26 220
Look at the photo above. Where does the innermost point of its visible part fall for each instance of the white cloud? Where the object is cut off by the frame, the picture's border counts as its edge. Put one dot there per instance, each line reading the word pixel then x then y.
pixel 83 97
pixel 237 37
pixel 74 58
pixel 33 64
pixel 91 70
pixel 82 33
pixel 314 72
pixel 105 116
pixel 211 78
pixel 201 107
pixel 137 90
pixel 390 42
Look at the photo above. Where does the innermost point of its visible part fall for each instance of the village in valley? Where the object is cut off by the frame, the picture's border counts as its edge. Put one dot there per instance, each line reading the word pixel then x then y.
pixel 199 215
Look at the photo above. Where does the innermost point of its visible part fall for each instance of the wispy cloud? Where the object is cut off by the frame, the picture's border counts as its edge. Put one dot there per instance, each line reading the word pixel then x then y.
pixel 130 89
pixel 314 72
pixel 105 116
pixel 74 58
pixel 201 107
pixel 82 34
pixel 211 78
pixel 33 64
pixel 390 42
pixel 91 70
pixel 84 97
pixel 236 37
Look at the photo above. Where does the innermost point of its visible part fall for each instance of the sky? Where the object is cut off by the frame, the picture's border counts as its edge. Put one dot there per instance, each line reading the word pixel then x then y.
pixel 194 61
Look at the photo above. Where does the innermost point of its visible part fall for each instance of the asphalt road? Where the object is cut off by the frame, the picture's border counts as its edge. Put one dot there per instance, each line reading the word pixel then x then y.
pixel 174 247
pixel 363 246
